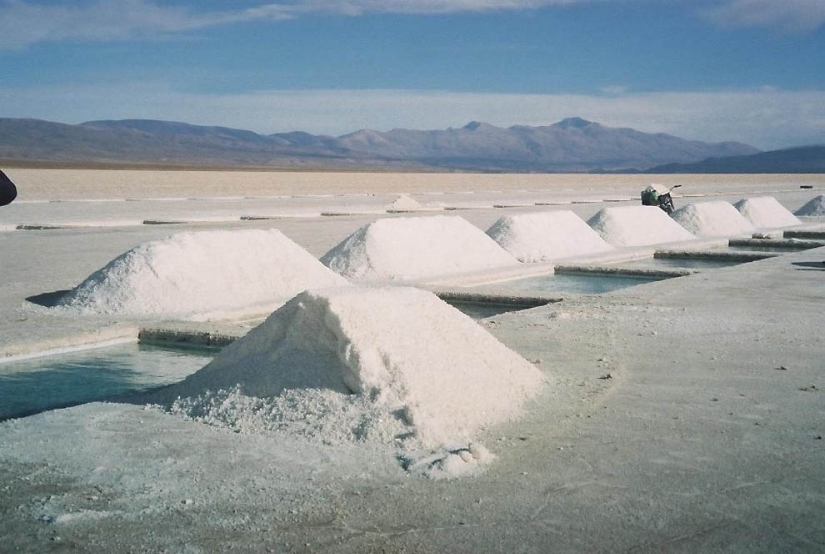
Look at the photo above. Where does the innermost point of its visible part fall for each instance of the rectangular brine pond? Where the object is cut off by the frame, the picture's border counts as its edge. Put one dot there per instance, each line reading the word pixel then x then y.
pixel 777 246
pixel 570 281
pixel 678 263
pixel 32 386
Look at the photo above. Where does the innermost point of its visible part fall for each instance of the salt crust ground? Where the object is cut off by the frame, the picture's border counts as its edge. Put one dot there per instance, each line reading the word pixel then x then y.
pixel 713 219
pixel 699 441
pixel 637 226
pixel 407 248
pixel 659 465
pixel 391 349
pixel 546 236
pixel 766 212
pixel 815 207
pixel 208 272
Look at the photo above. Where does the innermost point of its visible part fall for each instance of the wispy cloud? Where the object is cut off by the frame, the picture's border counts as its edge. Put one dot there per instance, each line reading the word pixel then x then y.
pixel 357 7
pixel 767 118
pixel 25 22
pixel 785 15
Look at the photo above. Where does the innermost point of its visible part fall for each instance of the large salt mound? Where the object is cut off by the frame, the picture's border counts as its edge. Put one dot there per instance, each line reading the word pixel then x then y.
pixel 431 366
pixel 713 219
pixel 766 211
pixel 406 248
pixel 543 236
pixel 637 226
pixel 815 207
pixel 202 272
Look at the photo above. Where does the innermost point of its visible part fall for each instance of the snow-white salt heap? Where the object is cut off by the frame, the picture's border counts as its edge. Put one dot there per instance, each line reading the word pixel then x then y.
pixel 766 212
pixel 637 226
pixel 713 219
pixel 815 207
pixel 401 348
pixel 405 248
pixel 544 236
pixel 202 272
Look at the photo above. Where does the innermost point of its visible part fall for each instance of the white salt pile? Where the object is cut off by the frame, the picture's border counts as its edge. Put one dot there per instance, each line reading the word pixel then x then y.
pixel 544 236
pixel 637 226
pixel 202 272
pixel 766 211
pixel 406 248
pixel 815 207
pixel 404 203
pixel 361 363
pixel 713 219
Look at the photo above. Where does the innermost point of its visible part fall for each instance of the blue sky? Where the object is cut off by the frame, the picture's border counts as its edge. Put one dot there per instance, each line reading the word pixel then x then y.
pixel 747 70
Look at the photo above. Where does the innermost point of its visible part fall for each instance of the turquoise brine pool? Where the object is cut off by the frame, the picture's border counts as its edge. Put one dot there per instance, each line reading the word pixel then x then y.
pixel 565 283
pixel 32 386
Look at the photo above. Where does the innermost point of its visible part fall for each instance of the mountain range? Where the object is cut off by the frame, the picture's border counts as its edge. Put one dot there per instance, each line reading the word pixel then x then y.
pixel 804 159
pixel 571 145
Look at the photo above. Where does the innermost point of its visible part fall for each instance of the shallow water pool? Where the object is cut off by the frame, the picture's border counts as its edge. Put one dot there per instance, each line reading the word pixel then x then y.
pixel 679 263
pixel 33 386
pixel 569 283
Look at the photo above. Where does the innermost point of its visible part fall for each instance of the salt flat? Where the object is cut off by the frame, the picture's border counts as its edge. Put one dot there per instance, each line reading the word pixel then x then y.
pixel 682 415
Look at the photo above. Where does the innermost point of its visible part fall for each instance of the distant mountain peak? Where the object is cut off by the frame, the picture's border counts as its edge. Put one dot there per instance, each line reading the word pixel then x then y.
pixel 574 123
pixel 475 125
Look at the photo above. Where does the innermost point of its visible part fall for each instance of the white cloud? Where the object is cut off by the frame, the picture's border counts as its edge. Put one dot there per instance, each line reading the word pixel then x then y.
pixel 785 15
pixel 356 7
pixel 615 89
pixel 766 118
pixel 25 22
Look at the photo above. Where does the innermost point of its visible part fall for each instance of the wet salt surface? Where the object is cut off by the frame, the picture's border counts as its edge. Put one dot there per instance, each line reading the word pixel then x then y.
pixel 47 383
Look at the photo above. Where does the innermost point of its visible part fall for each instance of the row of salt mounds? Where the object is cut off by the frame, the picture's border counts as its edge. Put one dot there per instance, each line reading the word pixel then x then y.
pixel 766 212
pixel 201 272
pixel 545 236
pixel 637 226
pixel 405 248
pixel 436 374
pixel 815 207
pixel 713 219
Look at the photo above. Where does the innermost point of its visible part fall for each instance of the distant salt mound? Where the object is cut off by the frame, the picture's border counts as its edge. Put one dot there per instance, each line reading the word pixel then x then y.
pixel 637 226
pixel 766 211
pixel 713 219
pixel 404 203
pixel 815 207
pixel 406 248
pixel 201 272
pixel 406 359
pixel 544 236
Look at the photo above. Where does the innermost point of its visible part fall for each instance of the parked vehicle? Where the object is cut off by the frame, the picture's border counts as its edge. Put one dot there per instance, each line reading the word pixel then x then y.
pixel 657 195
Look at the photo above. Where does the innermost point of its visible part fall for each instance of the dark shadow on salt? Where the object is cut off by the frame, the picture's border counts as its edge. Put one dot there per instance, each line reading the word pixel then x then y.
pixel 48 299
pixel 808 266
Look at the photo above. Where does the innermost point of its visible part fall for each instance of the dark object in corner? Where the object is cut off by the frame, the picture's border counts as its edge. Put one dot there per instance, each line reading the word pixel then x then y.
pixel 8 191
